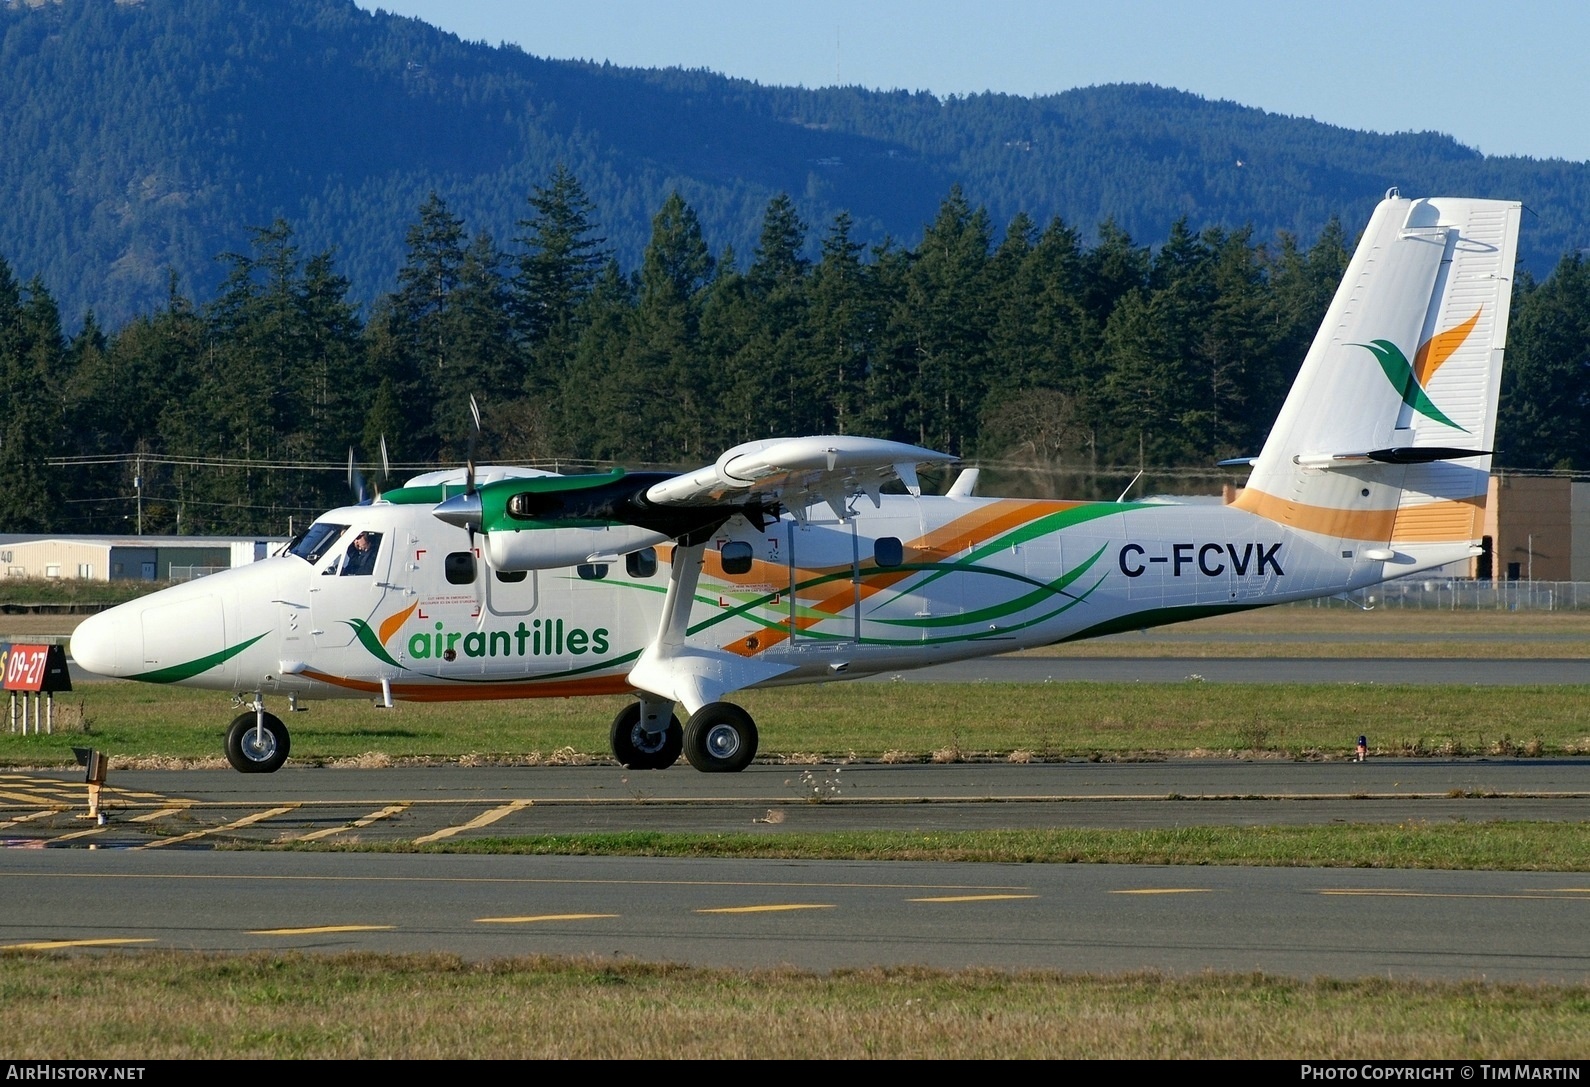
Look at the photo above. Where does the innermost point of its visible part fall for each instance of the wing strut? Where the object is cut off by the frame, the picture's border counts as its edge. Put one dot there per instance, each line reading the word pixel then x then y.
pixel 692 676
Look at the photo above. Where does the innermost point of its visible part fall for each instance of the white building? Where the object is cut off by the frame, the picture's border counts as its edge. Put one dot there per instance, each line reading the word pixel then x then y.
pixel 138 558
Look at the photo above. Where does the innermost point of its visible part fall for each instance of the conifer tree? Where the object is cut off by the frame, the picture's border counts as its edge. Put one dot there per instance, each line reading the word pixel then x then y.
pixel 31 362
pixel 665 358
pixel 563 253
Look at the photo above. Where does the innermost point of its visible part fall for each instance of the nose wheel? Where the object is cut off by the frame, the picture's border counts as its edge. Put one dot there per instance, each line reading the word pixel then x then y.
pixel 256 743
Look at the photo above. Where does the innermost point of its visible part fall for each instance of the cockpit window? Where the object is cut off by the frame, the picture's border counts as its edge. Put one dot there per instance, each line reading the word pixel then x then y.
pixel 360 559
pixel 313 544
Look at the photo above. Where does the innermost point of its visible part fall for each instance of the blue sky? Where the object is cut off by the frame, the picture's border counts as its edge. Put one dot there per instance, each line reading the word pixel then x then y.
pixel 1506 79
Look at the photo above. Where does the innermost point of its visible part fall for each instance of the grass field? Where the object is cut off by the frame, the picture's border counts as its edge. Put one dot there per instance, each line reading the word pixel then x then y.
pixel 174 1006
pixel 143 726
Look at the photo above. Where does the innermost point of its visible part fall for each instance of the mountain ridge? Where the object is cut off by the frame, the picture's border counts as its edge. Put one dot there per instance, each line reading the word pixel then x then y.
pixel 149 138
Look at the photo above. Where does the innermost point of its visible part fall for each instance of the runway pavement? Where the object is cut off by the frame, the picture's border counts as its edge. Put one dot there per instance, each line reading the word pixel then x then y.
pixel 821 916
pixel 172 867
pixel 200 809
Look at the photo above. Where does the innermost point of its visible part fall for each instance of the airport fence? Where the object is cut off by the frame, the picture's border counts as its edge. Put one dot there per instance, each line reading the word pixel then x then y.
pixel 189 573
pixel 1465 594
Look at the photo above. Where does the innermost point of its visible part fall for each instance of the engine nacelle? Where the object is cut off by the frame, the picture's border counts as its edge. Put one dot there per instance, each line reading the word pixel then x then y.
pixel 553 547
pixel 551 522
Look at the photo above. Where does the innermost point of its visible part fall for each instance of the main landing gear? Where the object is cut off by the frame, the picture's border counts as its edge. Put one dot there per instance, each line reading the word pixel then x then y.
pixel 719 738
pixel 257 742
pixel 636 747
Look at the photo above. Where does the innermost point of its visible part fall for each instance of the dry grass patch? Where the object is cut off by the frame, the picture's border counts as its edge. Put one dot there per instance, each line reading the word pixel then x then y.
pixel 160 1006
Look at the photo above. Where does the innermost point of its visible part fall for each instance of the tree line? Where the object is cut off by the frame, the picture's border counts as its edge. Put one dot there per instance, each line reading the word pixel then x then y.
pixel 1064 365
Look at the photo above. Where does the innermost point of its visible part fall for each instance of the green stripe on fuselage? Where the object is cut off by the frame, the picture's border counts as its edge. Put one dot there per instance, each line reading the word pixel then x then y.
pixel 179 672
pixel 1158 617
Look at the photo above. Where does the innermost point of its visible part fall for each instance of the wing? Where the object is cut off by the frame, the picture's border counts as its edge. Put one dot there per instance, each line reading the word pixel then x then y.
pixel 544 522
pixel 797 473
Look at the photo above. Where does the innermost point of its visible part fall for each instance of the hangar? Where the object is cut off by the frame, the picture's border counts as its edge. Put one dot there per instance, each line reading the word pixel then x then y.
pixel 129 558
pixel 1538 528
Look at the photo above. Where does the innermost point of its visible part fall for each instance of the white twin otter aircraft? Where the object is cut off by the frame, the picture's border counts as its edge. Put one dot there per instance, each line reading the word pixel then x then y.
pixel 785 563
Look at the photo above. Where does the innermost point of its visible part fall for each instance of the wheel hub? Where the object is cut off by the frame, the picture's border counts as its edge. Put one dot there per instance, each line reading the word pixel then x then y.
pixel 259 744
pixel 648 742
pixel 723 741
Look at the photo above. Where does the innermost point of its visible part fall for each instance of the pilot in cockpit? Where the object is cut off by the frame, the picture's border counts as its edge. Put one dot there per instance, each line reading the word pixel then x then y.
pixel 360 559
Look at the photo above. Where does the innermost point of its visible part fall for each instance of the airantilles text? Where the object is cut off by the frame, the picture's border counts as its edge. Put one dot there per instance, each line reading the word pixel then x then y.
pixel 540 638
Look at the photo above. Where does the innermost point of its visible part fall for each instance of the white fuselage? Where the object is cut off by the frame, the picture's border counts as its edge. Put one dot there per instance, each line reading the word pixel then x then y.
pixel 916 581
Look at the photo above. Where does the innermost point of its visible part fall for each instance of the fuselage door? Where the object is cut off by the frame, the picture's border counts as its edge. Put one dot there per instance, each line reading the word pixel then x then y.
pixel 348 583
pixel 510 592
pixel 824 583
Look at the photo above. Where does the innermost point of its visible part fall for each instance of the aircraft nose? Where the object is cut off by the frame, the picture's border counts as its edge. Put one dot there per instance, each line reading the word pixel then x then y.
pixel 100 644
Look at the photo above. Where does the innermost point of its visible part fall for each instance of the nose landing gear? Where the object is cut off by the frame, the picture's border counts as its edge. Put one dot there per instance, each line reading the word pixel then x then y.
pixel 256 741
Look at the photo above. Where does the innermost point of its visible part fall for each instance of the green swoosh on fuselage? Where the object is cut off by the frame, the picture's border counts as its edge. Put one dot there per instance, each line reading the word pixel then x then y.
pixel 368 639
pixel 1000 611
pixel 1032 530
pixel 179 672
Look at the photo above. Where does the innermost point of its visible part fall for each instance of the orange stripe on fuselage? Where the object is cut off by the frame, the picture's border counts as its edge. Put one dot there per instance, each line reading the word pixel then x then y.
pixel 961 534
pixel 1346 524
pixel 482 692
pixel 1433 522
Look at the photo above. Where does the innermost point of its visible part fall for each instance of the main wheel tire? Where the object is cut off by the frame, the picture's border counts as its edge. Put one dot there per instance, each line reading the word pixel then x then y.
pixel 720 738
pixel 252 752
pixel 637 749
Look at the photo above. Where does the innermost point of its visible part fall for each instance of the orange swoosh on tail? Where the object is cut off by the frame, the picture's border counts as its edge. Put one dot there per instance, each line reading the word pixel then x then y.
pixel 1440 347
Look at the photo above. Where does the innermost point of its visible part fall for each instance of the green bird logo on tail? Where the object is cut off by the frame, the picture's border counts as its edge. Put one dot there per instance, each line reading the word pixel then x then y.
pixel 1411 378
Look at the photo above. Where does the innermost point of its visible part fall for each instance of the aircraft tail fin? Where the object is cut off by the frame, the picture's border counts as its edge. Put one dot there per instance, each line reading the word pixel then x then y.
pixel 1385 440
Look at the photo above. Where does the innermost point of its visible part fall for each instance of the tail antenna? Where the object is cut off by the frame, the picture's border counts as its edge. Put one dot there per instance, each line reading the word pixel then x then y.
pixel 1130 485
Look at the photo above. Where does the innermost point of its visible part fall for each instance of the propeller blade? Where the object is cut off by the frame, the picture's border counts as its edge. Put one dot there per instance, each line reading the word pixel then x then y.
pixel 356 480
pixel 469 457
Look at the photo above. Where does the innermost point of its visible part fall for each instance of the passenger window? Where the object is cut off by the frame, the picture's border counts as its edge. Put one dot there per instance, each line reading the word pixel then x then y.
pixel 459 566
pixel 642 563
pixel 736 556
pixel 592 571
pixel 512 577
pixel 888 551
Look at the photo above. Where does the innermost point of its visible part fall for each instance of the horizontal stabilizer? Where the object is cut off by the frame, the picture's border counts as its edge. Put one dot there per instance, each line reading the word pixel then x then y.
pixel 1428 454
